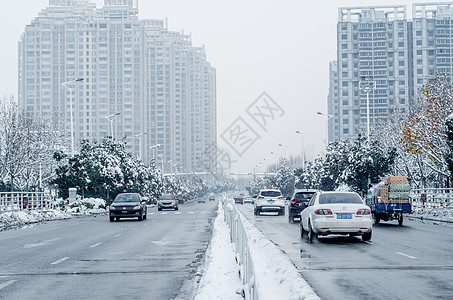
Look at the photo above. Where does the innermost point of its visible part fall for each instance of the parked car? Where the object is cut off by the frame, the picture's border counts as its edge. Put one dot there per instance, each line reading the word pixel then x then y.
pixel 269 200
pixel 167 201
pixel 128 205
pixel 336 213
pixel 298 201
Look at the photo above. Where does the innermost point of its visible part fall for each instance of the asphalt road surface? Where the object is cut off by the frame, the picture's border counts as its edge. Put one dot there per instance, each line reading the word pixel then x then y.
pixel 92 258
pixel 413 261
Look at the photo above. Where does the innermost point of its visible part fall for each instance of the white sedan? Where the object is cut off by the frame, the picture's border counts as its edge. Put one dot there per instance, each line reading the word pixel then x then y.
pixel 336 213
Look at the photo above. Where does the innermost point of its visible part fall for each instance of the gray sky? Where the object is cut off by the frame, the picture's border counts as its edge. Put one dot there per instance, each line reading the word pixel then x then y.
pixel 279 47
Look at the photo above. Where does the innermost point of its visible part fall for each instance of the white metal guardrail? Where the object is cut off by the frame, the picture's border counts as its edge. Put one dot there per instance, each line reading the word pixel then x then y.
pixel 238 236
pixel 432 198
pixel 15 201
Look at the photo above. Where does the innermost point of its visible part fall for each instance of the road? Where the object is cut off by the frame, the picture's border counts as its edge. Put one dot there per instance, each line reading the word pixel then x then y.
pixel 414 261
pixel 92 258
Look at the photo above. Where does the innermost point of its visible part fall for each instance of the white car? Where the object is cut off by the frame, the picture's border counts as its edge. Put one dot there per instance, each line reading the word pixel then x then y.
pixel 269 200
pixel 336 213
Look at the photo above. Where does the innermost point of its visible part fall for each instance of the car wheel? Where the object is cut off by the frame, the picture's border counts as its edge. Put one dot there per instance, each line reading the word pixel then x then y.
pixel 255 212
pixel 366 236
pixel 145 216
pixel 159 209
pixel 112 219
pixel 302 231
pixel 311 233
pixel 176 208
pixel 290 218
pixel 140 217
pixel 282 212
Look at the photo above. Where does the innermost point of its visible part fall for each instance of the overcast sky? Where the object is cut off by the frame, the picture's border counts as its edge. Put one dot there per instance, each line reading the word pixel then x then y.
pixel 281 47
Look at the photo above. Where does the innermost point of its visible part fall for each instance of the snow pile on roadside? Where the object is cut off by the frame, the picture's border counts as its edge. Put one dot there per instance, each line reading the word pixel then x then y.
pixel 275 274
pixel 438 214
pixel 20 218
pixel 88 206
pixel 220 279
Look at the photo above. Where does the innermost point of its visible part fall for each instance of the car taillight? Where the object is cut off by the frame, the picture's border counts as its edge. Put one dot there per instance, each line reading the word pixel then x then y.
pixel 260 197
pixel 365 211
pixel 281 197
pixel 323 212
pixel 294 201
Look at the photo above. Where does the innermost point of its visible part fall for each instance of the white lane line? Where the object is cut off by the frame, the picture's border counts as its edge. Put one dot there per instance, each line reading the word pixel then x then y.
pixel 118 235
pixel 5 284
pixel 406 255
pixel 59 261
pixel 39 244
pixel 191 212
pixel 204 212
pixel 95 245
pixel 164 213
pixel 150 213
pixel 177 213
pixel 133 228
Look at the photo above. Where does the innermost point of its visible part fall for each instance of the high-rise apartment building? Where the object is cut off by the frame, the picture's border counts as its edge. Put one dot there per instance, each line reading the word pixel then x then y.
pixel 141 82
pixel 380 45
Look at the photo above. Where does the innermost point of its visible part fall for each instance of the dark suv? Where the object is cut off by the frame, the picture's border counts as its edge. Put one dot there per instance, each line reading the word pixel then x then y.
pixel 298 202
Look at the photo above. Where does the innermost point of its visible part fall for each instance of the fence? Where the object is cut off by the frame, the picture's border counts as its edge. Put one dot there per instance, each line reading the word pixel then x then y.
pixel 432 198
pixel 238 236
pixel 15 201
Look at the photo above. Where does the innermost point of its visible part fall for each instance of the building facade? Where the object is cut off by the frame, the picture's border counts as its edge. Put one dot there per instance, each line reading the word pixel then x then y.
pixel 381 46
pixel 138 81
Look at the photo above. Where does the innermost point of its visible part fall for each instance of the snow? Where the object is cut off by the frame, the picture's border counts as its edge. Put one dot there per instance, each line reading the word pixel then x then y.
pixel 15 219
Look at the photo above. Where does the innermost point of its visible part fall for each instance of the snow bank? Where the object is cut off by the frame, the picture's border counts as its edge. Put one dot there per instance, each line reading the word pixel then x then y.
pixel 436 214
pixel 14 219
pixel 220 279
pixel 275 274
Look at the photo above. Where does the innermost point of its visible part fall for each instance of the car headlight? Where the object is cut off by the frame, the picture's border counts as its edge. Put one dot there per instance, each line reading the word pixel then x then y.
pixel 137 207
pixel 112 207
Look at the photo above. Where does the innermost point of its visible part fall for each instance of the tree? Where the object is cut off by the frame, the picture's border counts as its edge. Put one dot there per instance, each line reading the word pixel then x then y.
pixel 449 156
pixel 425 131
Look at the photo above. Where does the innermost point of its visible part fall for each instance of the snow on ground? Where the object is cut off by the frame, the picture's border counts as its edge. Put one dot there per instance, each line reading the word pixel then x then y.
pixel 15 219
pixel 434 214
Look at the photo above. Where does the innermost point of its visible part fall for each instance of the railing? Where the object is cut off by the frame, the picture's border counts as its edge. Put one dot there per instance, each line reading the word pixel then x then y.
pixel 15 201
pixel 432 198
pixel 238 236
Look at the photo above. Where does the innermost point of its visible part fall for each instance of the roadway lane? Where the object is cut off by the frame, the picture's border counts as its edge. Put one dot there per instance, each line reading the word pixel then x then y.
pixel 414 261
pixel 92 258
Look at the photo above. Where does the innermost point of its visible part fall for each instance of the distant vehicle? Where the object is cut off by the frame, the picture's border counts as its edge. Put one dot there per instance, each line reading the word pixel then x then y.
pixel 212 197
pixel 248 200
pixel 269 200
pixel 336 213
pixel 389 199
pixel 239 199
pixel 167 201
pixel 201 200
pixel 128 205
pixel 298 201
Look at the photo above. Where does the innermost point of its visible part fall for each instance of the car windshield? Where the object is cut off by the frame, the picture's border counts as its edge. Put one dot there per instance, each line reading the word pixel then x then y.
pixel 271 194
pixel 167 197
pixel 127 198
pixel 339 198
pixel 303 196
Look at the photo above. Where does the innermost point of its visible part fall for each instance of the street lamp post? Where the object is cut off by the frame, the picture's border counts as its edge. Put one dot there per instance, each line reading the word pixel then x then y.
pixel 327 125
pixel 284 149
pixel 110 119
pixel 139 136
pixel 303 150
pixel 71 95
pixel 162 161
pixel 367 84
pixel 153 150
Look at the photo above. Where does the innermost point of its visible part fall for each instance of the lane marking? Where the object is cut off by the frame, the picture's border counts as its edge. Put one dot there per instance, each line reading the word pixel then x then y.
pixel 191 212
pixel 150 213
pixel 406 255
pixel 39 244
pixel 177 213
pixel 204 212
pixel 5 284
pixel 95 245
pixel 118 235
pixel 164 213
pixel 133 228
pixel 59 261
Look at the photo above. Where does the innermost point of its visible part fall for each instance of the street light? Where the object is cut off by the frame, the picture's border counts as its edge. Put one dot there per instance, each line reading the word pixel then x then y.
pixel 303 150
pixel 139 136
pixel 327 125
pixel 284 149
pixel 367 84
pixel 152 148
pixel 71 95
pixel 162 161
pixel 110 119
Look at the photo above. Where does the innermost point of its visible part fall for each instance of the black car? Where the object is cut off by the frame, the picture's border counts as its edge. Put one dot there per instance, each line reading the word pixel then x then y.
pixel 128 205
pixel 298 202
